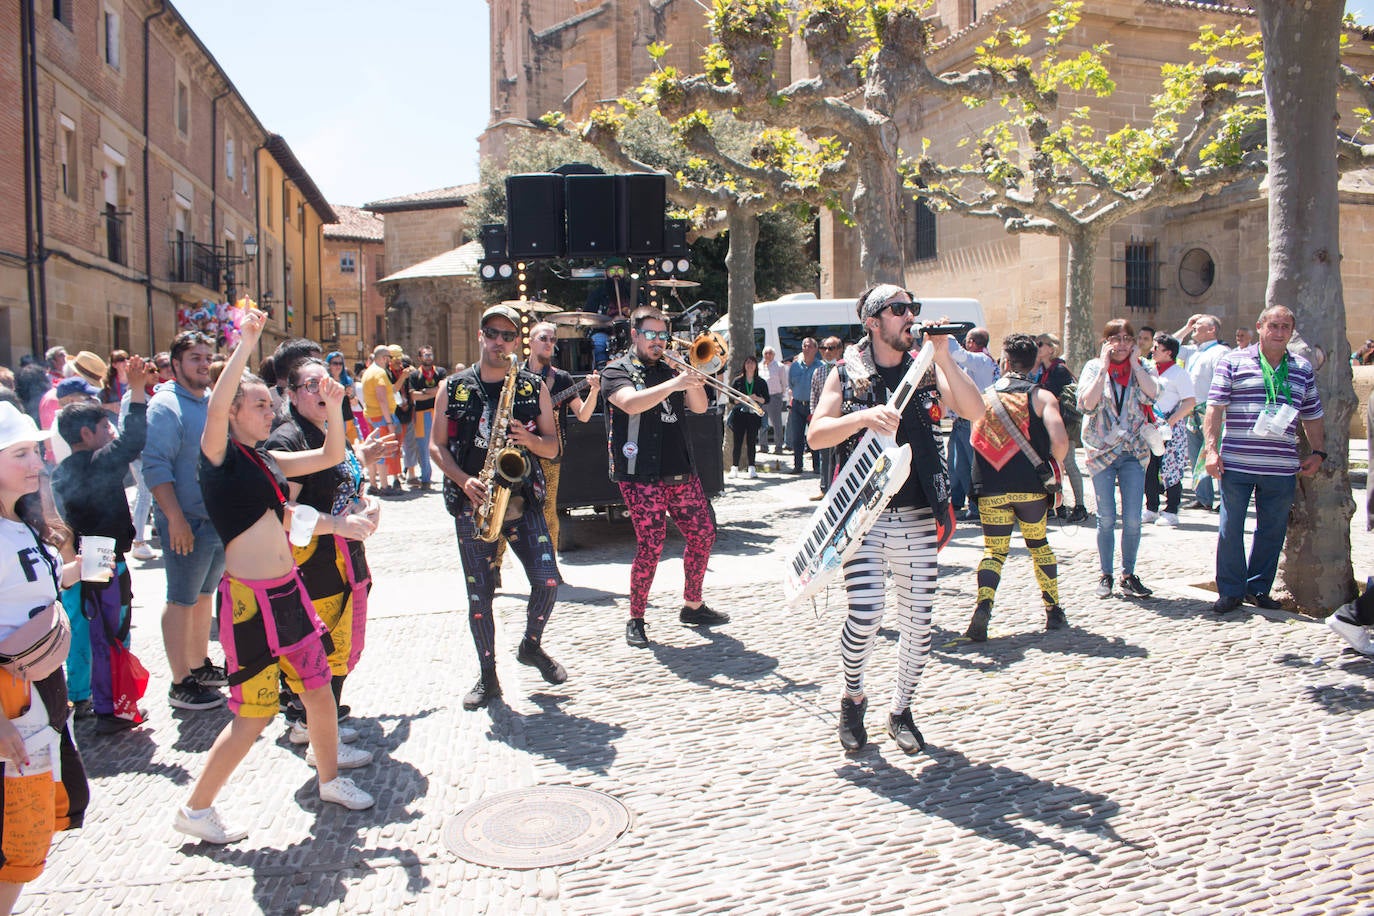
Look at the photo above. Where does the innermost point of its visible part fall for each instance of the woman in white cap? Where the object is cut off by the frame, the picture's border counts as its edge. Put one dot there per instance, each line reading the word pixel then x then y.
pixel 44 781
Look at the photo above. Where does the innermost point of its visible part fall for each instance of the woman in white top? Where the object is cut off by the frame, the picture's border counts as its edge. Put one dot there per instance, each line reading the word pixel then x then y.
pixel 1174 404
pixel 44 782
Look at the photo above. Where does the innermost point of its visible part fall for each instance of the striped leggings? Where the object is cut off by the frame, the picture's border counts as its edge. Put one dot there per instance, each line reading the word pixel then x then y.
pixel 904 541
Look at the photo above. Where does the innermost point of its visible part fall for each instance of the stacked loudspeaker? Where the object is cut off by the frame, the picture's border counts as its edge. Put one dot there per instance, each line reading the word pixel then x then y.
pixel 584 215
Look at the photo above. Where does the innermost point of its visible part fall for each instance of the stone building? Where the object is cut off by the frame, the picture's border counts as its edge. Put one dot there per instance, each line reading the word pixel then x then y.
pixel 432 296
pixel 132 174
pixel 1209 256
pixel 354 315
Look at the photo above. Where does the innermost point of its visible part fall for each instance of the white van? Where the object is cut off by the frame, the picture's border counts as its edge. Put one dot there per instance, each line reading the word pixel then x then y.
pixel 785 322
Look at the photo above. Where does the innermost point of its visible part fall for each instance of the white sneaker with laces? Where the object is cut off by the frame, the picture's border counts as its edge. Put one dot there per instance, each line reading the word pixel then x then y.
pixel 1343 624
pixel 142 551
pixel 1167 520
pixel 207 826
pixel 341 791
pixel 350 758
pixel 300 734
pixel 734 472
pixel 752 473
pixel 1148 517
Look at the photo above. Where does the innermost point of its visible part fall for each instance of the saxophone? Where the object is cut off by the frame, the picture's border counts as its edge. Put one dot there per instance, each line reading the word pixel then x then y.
pixel 505 467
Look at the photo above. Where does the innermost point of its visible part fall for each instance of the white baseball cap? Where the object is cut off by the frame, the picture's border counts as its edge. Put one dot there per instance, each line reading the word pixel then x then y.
pixel 17 427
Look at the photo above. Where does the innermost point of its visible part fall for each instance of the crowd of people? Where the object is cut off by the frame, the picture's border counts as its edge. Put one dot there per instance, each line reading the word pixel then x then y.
pixel 262 491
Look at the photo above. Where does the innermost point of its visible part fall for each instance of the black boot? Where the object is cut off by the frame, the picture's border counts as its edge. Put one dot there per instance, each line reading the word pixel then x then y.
pixel 853 735
pixel 978 627
pixel 484 691
pixel 533 654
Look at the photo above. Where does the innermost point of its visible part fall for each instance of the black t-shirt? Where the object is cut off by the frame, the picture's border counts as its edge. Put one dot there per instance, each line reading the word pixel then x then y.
pixel 477 455
pixel 417 384
pixel 330 491
pixel 404 412
pixel 240 489
pixel 1057 379
pixel 911 495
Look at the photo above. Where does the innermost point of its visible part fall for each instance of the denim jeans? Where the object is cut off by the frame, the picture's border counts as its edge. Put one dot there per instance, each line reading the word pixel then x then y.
pixel 1273 498
pixel 1202 486
pixel 1127 474
pixel 960 460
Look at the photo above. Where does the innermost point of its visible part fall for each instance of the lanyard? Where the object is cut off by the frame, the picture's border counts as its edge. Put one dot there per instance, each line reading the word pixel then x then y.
pixel 1275 380
pixel 253 456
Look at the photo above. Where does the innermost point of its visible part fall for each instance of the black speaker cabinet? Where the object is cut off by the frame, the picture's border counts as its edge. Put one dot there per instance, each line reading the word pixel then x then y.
pixel 534 215
pixel 643 199
pixel 591 205
pixel 493 241
pixel 675 239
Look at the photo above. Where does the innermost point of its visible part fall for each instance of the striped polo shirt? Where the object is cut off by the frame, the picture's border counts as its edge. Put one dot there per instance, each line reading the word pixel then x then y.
pixel 1238 385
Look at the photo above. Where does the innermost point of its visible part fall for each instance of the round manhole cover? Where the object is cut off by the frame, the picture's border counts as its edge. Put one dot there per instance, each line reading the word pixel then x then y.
pixel 535 828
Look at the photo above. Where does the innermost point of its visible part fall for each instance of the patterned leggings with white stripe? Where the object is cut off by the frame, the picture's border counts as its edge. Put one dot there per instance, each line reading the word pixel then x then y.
pixel 903 540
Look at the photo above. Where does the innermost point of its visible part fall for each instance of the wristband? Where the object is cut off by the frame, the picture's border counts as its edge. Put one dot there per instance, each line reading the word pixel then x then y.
pixel 1317 451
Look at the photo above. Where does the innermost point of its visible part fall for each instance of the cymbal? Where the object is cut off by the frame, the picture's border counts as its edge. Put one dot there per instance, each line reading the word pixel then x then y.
pixel 531 305
pixel 581 320
pixel 674 282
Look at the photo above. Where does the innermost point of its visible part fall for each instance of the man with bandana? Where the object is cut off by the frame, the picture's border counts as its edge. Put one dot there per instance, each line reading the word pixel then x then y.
pixel 918 519
pixel 422 385
pixel 652 461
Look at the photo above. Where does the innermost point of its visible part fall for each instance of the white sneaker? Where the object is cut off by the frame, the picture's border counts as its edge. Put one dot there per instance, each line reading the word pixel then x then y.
pixel 1343 623
pixel 350 758
pixel 752 473
pixel 209 826
pixel 734 472
pixel 1167 519
pixel 300 734
pixel 1147 517
pixel 142 551
pixel 341 791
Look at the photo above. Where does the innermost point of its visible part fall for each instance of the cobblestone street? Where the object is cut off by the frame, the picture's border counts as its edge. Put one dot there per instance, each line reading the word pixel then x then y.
pixel 1151 758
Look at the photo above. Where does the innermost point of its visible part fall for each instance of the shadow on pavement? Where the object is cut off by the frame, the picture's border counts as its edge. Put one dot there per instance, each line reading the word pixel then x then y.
pixel 130 751
pixel 573 742
pixel 993 801
pixel 1004 651
pixel 197 729
pixel 724 662
pixel 1341 700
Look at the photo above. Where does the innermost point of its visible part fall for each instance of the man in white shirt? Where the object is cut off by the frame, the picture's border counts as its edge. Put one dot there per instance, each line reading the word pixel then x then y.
pixel 1200 359
pixel 973 358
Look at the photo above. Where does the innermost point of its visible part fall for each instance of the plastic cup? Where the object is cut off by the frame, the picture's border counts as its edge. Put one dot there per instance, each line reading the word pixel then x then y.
pixel 303 519
pixel 97 558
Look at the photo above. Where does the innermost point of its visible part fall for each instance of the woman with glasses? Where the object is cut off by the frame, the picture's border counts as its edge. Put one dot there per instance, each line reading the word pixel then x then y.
pixel 333 565
pixel 338 371
pixel 744 423
pixel 1115 391
pixel 116 381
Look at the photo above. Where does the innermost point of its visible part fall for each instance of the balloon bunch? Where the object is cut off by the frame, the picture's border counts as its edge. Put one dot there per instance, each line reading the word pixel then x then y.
pixel 220 320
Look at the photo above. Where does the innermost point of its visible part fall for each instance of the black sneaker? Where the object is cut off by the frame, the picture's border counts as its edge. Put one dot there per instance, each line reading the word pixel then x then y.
pixel 634 633
pixel 978 627
pixel 904 731
pixel 344 711
pixel 1225 604
pixel 1264 602
pixel 192 694
pixel 853 735
pixel 81 709
pixel 532 654
pixel 1055 619
pixel 1104 587
pixel 483 692
pixel 110 724
pixel 210 675
pixel 1077 514
pixel 1132 587
pixel 702 616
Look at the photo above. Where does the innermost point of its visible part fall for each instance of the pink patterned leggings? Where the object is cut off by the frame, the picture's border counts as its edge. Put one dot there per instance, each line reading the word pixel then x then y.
pixel 686 503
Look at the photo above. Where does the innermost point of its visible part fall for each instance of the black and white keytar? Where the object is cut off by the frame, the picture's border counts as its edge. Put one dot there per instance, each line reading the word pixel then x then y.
pixel 875 471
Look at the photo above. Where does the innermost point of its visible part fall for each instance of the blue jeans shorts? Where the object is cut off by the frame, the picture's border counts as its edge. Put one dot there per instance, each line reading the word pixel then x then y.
pixel 189 576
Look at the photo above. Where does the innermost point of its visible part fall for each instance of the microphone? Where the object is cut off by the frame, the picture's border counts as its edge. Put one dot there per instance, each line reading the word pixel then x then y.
pixel 956 328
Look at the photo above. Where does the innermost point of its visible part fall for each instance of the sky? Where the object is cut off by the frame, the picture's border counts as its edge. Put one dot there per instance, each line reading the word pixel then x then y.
pixel 375 99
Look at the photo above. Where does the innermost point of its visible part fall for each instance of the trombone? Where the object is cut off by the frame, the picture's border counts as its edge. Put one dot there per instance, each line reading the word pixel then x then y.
pixel 707 355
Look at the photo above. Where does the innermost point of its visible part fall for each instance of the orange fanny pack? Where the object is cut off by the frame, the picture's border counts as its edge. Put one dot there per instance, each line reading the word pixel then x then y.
pixel 39 646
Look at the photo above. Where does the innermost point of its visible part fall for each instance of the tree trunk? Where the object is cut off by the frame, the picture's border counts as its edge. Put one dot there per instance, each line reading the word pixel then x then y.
pixel 1302 56
pixel 877 195
pixel 1080 337
pixel 743 229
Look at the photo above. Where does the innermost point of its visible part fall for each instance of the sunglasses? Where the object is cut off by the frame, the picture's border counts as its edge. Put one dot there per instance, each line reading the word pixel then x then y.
pixel 1121 338
pixel 544 338
pixel 336 362
pixel 899 309
pixel 651 336
pixel 493 333
pixel 828 348
pixel 312 386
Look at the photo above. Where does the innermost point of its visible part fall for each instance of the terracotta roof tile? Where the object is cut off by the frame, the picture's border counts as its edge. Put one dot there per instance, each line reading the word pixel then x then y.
pixel 355 223
pixel 455 196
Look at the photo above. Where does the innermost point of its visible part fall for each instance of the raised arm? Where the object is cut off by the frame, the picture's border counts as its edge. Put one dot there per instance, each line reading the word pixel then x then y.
pixel 311 461
pixel 215 439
